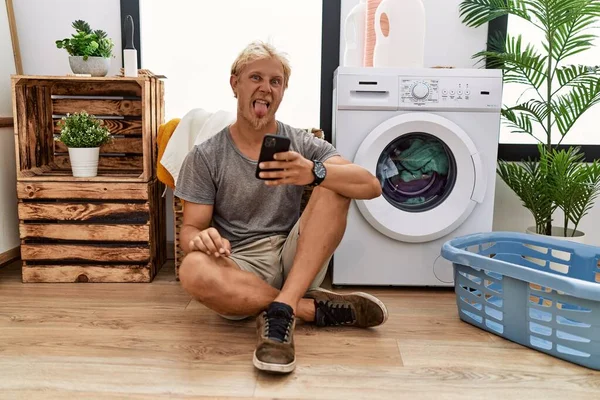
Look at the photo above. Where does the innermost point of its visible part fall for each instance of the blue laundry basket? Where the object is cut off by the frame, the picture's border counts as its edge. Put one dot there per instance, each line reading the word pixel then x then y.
pixel 538 291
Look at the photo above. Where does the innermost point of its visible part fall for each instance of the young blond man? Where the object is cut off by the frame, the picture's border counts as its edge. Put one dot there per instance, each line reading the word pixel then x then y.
pixel 249 251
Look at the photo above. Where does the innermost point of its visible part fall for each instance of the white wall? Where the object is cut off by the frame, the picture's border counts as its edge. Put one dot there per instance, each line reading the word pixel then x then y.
pixel 9 223
pixel 198 73
pixel 41 22
pixel 449 43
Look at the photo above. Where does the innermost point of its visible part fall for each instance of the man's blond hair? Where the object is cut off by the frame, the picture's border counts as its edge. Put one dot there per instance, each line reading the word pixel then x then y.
pixel 258 51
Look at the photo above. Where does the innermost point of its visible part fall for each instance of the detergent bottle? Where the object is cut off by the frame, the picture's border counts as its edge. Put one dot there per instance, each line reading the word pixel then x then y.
pixel 370 32
pixel 403 45
pixel 354 34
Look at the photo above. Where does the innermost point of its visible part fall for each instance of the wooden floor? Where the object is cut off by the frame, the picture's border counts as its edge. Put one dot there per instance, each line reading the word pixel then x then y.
pixel 151 341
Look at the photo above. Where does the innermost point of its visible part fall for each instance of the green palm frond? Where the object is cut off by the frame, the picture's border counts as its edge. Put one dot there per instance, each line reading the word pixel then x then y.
pixel 528 181
pixel 568 108
pixel 518 121
pixel 572 34
pixel 535 108
pixel 585 193
pixel 576 185
pixel 520 65
pixel 478 12
pixel 576 75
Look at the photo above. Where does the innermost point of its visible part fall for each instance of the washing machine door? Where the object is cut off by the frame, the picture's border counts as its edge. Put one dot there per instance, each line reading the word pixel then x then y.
pixel 430 173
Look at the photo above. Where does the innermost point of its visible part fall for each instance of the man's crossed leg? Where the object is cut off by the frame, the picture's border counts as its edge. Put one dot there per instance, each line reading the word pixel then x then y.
pixel 247 283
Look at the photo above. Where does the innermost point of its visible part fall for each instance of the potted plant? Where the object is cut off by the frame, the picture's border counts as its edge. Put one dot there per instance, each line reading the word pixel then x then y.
pixel 83 134
pixel 89 51
pixel 556 94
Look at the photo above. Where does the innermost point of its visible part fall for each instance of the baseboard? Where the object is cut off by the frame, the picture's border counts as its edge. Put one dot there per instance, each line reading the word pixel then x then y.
pixel 10 255
pixel 170 250
pixel 6 122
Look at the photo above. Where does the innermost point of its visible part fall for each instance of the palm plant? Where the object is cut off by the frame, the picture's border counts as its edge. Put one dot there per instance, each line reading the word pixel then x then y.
pixel 562 93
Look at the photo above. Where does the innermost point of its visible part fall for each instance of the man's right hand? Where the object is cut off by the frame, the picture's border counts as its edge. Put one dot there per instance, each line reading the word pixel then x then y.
pixel 209 241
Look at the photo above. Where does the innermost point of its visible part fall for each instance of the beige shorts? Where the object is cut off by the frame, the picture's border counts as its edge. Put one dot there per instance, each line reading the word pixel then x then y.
pixel 271 259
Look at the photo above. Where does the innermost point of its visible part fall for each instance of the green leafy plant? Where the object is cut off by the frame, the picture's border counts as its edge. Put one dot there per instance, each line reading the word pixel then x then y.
pixel 82 130
pixel 87 43
pixel 559 94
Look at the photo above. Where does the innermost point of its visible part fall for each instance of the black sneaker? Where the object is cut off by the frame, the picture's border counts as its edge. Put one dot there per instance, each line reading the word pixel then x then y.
pixel 275 351
pixel 354 309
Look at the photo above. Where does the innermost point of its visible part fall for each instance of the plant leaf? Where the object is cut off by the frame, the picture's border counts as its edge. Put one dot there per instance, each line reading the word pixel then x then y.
pixel 575 75
pixel 572 33
pixel 529 182
pixel 479 12
pixel 568 108
pixel 82 26
pixel 520 65
pixel 518 121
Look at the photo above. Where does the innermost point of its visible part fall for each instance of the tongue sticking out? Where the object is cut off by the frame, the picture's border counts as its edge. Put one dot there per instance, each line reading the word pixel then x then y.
pixel 260 109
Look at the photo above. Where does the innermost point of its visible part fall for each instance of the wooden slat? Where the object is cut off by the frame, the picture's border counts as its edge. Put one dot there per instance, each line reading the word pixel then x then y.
pixel 112 88
pixel 116 145
pixel 157 225
pixel 82 211
pixel 6 122
pixel 44 133
pixel 147 138
pixel 128 108
pixel 10 255
pixel 35 251
pixel 108 163
pixel 30 124
pixel 125 233
pixel 12 23
pixel 82 190
pixel 21 128
pixel 153 121
pixel 92 274
pixel 115 126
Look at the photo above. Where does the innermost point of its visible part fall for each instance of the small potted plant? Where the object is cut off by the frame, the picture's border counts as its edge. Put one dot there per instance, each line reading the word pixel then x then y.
pixel 89 51
pixel 83 134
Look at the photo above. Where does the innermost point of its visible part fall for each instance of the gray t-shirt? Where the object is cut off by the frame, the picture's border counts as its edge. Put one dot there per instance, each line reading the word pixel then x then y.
pixel 245 209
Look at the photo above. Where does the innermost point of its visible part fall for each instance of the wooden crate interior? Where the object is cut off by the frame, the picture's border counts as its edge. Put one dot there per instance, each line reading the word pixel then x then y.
pixel 130 108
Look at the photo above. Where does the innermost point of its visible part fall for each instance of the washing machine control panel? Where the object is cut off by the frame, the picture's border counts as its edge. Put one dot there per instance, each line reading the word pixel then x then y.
pixel 419 91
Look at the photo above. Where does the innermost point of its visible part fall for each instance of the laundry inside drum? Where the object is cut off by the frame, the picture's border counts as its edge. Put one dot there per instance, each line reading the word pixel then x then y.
pixel 417 172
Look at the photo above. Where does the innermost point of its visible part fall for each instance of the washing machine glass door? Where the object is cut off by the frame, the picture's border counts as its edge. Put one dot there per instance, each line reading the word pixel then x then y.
pixel 430 173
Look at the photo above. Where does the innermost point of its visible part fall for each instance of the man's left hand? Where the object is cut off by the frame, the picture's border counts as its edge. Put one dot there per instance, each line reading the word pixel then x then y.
pixel 295 170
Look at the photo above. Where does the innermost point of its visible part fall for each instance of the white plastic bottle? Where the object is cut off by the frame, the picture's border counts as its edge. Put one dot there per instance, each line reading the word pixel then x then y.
pixel 354 35
pixel 404 45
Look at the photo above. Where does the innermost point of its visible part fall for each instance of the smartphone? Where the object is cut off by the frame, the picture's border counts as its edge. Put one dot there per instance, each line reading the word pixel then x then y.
pixel 271 144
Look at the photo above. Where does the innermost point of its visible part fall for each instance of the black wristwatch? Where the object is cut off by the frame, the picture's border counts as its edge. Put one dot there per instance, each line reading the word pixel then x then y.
pixel 319 171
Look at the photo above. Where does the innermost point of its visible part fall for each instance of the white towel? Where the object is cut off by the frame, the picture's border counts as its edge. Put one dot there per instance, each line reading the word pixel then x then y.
pixel 194 128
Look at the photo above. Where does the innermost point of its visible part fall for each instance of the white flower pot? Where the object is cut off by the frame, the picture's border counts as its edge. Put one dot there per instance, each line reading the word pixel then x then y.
pixel 557 232
pixel 96 66
pixel 84 161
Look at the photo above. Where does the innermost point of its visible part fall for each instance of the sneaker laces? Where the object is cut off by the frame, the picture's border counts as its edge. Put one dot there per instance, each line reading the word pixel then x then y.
pixel 278 322
pixel 329 313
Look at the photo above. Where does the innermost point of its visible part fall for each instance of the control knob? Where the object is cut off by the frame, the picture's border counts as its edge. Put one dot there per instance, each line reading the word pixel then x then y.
pixel 420 90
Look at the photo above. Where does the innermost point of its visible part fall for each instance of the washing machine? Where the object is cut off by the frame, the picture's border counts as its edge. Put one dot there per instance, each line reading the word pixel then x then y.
pixel 431 138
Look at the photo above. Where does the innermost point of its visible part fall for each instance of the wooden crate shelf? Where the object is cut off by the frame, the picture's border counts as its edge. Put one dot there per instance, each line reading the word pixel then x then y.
pixel 91 232
pixel 132 109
